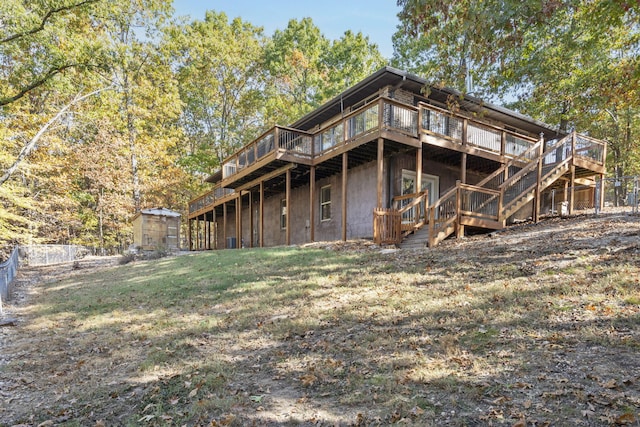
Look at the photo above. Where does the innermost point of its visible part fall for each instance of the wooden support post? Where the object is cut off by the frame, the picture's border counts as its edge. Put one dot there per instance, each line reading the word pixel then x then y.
pixel 465 126
pixel 536 197
pixel 261 225
pixel 345 167
pixel 207 231
pixel 418 170
pixel 572 188
pixel 189 237
pixel 312 204
pixel 459 226
pixel 198 232
pixel 601 201
pixel 463 168
pixel 380 172
pixel 573 172
pixel 224 226
pixel 251 219
pixel 239 221
pixel 288 207
pixel 503 143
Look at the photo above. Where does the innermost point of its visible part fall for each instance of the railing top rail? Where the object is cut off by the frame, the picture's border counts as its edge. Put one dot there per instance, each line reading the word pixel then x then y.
pixel 304 132
pixel 531 165
pixel 521 159
pixel 388 100
pixel 479 189
pixel 591 139
pixel 446 196
pixel 409 196
pixel 422 197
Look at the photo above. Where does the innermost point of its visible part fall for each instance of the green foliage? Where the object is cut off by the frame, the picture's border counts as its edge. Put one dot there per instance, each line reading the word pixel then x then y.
pixel 573 64
pixel 169 102
pixel 221 81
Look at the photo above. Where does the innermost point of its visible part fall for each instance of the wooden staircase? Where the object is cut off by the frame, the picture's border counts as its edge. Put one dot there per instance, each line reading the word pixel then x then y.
pixel 490 203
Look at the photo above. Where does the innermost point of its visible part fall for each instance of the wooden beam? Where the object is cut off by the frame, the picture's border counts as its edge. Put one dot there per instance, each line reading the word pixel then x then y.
pixel 312 204
pixel 345 167
pixel 266 177
pixel 251 219
pixel 261 225
pixel 380 172
pixel 418 170
pixel 239 221
pixel 463 168
pixel 459 227
pixel 288 206
pixel 224 226
pixel 601 198
pixel 536 200
pixel 572 186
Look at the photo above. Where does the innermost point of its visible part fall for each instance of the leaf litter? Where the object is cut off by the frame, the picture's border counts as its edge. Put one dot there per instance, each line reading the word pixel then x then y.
pixel 531 326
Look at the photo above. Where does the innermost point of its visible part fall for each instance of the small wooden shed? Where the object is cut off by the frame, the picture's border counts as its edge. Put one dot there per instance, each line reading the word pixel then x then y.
pixel 156 228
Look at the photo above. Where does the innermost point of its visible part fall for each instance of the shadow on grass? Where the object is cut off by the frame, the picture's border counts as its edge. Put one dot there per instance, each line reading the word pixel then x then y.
pixel 301 337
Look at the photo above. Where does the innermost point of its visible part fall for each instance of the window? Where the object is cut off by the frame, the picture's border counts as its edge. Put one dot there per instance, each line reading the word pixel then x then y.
pixel 325 203
pixel 283 214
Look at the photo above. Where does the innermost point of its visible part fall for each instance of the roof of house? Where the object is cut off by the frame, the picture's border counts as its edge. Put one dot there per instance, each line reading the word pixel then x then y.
pixel 401 79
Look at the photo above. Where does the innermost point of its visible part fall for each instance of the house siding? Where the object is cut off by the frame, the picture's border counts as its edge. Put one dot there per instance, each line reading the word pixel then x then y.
pixel 361 196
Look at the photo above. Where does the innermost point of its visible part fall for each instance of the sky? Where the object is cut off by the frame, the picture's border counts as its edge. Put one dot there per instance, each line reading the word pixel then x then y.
pixel 374 18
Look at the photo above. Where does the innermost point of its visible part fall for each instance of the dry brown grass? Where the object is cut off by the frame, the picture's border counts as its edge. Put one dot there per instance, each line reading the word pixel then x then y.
pixel 537 325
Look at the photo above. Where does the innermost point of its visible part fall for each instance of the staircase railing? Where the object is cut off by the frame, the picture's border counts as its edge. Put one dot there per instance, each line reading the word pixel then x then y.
pixel 443 216
pixel 392 225
pixel 386 226
pixel 523 182
pixel 479 203
pixel 512 167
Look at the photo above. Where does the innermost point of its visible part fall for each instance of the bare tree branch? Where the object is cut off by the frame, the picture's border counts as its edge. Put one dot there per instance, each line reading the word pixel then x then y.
pixel 26 150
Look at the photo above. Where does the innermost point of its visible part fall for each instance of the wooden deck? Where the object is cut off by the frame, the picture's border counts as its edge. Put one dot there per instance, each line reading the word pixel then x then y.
pixel 527 164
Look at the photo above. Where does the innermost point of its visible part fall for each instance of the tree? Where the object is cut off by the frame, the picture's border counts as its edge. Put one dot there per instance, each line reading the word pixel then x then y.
pixel 350 59
pixel 221 80
pixel 308 69
pixel 571 64
pixel 293 58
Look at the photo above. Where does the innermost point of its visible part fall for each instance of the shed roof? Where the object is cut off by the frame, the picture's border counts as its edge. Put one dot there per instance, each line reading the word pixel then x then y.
pixel 158 212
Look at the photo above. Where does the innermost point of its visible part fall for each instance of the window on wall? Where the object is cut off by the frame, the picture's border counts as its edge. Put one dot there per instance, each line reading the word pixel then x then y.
pixel 283 214
pixel 325 203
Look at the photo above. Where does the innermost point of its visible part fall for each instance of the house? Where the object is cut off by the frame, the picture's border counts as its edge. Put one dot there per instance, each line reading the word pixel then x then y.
pixel 157 228
pixel 393 160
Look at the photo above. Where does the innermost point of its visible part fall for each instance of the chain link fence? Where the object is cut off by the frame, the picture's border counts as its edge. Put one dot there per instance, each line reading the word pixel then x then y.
pixel 8 271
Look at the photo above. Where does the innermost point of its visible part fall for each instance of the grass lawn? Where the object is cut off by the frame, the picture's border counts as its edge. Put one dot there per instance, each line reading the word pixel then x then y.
pixel 480 332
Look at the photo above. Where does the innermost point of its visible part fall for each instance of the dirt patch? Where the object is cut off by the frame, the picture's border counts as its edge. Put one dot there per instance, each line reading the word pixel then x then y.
pixel 535 325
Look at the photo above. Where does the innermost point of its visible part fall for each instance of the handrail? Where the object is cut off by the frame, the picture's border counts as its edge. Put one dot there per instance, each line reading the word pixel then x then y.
pixel 510 163
pixel 446 216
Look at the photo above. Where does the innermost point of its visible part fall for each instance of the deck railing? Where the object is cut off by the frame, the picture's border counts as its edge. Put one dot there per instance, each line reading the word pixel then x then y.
pixel 523 182
pixel 291 140
pixel 463 130
pixel 208 199
pixel 589 148
pixel 399 117
pixel 386 226
pixel 383 113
